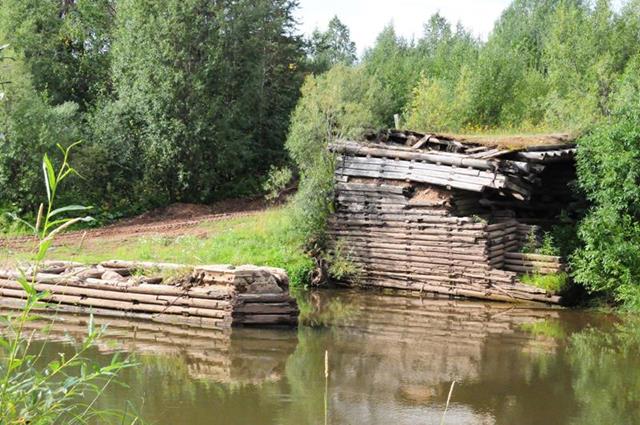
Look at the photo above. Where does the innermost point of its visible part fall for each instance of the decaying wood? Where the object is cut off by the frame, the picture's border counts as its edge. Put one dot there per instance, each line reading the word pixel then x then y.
pixel 446 242
pixel 227 295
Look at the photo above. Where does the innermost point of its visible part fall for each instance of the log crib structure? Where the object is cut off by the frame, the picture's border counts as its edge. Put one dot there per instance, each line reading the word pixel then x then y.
pixel 449 215
pixel 215 296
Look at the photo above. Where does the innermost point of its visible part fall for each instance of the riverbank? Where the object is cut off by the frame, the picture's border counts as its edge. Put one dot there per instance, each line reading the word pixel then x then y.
pixel 259 236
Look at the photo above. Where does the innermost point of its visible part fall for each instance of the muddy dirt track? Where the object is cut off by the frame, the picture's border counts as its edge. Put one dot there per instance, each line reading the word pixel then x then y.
pixel 173 220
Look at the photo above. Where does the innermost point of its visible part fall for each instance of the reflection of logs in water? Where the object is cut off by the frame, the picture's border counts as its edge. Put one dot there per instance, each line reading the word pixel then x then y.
pixel 221 355
pixel 411 345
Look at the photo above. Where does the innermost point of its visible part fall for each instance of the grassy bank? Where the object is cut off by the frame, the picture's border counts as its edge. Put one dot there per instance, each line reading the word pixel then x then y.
pixel 264 238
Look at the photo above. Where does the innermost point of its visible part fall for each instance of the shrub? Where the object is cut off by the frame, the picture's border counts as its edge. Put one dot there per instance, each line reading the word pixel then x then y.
pixel 609 260
pixel 341 267
pixel 276 182
pixel 339 104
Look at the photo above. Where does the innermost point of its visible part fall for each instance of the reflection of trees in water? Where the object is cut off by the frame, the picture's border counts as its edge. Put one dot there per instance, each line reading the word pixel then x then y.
pixel 317 309
pixel 391 360
pixel 305 377
pixel 606 373
pixel 513 365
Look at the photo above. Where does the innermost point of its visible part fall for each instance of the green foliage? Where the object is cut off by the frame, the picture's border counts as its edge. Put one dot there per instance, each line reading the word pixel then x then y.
pixel 548 64
pixel 435 106
pixel 548 246
pixel 531 244
pixel 276 182
pixel 341 267
pixel 64 45
pixel 554 283
pixel 176 101
pixel 609 259
pixel 200 122
pixel 565 236
pixel 391 64
pixel 34 389
pixel 331 47
pixel 29 124
pixel 341 103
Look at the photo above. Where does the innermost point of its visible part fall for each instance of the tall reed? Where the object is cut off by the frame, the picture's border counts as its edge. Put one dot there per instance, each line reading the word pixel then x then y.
pixel 33 389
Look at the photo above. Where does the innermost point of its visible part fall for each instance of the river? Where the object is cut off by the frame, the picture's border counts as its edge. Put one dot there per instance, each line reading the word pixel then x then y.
pixel 391 360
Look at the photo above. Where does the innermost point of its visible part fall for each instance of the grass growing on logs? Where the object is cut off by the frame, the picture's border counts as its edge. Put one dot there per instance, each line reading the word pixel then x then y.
pixel 555 282
pixel 264 239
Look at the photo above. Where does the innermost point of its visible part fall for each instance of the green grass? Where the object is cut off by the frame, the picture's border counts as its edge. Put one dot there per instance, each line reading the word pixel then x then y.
pixel 264 239
pixel 556 282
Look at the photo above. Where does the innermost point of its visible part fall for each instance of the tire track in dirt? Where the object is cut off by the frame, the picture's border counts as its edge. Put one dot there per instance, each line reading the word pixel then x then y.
pixel 174 220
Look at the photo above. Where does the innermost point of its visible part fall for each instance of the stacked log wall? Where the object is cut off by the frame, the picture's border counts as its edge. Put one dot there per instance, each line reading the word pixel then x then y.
pixel 407 235
pixel 214 296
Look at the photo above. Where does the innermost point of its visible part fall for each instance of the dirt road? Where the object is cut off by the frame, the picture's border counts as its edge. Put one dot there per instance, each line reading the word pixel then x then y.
pixel 174 220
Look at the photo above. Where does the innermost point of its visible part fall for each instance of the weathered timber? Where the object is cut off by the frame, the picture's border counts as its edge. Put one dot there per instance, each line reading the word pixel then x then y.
pixel 218 292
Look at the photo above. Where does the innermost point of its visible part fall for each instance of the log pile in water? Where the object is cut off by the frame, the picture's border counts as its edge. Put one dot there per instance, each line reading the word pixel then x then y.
pixel 216 296
pixel 419 212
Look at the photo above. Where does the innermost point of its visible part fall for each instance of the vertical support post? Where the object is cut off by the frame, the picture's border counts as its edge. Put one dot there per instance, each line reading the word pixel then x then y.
pixel 396 121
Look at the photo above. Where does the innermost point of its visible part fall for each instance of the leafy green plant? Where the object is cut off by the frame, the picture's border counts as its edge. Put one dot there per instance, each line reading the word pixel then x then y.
pixel 341 267
pixel 276 182
pixel 548 246
pixel 533 245
pixel 530 245
pixel 608 262
pixel 339 104
pixel 34 390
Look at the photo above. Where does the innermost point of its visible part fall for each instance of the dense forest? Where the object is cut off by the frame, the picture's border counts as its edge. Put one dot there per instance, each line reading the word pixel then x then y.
pixel 174 101
pixel 198 100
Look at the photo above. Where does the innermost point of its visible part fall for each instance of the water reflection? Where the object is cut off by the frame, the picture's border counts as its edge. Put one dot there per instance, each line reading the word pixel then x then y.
pixel 392 360
pixel 395 358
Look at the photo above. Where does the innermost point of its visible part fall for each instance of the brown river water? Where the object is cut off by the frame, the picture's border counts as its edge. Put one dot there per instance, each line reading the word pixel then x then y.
pixel 391 360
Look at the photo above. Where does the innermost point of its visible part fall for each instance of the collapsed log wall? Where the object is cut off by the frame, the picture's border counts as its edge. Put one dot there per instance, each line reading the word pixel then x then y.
pixel 216 296
pixel 422 227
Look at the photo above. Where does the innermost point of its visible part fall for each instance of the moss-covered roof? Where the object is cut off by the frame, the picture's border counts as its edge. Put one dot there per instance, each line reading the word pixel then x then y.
pixel 513 141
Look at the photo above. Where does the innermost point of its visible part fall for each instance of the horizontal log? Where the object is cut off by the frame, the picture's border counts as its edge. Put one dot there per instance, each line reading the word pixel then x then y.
pixel 379 232
pixel 383 151
pixel 162 300
pixel 458 184
pixel 143 265
pixel 266 308
pixel 444 171
pixel 207 292
pixel 173 319
pixel 265 319
pixel 373 187
pixel 411 217
pixel 534 264
pixel 535 257
pixel 119 305
pixel 372 243
pixel 531 269
pixel 264 298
